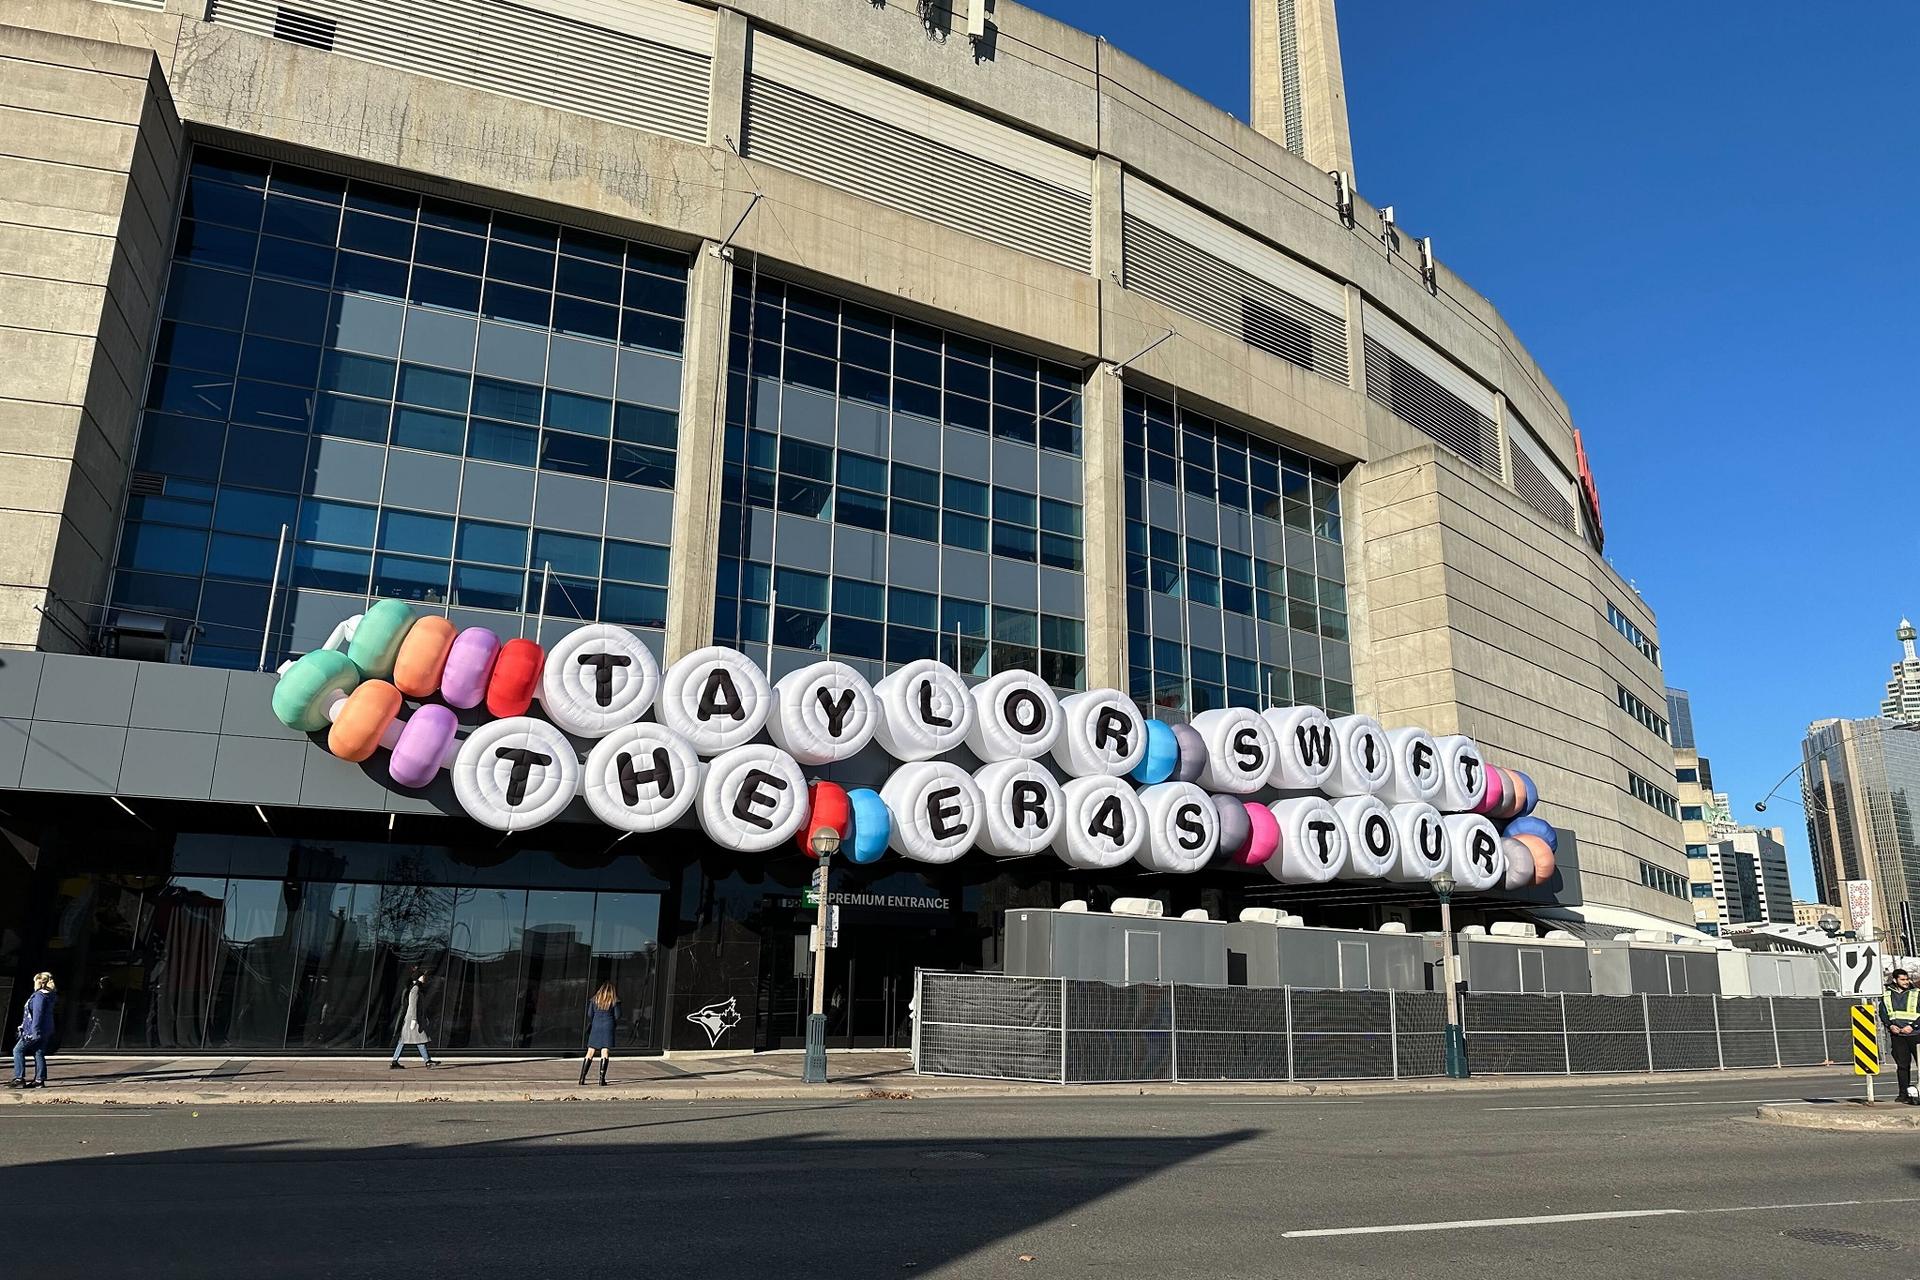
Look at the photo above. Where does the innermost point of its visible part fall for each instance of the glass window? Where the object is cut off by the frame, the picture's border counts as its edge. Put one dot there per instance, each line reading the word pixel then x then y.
pixel 492 543
pixel 566 552
pixel 636 562
pixel 415 533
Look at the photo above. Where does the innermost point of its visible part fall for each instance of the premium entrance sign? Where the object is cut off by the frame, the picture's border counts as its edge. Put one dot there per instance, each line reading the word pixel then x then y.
pixel 1006 766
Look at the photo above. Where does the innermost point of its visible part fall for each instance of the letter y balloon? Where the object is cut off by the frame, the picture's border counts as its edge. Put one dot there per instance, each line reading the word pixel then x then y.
pixel 1083 776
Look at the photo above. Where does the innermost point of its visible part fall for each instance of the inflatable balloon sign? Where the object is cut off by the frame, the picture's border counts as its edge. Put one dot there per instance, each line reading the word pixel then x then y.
pixel 1084 777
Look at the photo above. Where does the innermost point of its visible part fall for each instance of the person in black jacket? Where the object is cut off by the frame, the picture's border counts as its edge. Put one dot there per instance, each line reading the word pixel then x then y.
pixel 36 1035
pixel 603 1018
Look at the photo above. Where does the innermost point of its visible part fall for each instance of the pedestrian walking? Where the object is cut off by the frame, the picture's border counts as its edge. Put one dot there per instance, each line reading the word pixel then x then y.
pixel 412 1028
pixel 36 1035
pixel 603 1017
pixel 1900 1010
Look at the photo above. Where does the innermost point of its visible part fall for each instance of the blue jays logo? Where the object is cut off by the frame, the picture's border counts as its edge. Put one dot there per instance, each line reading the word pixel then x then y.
pixel 717 1019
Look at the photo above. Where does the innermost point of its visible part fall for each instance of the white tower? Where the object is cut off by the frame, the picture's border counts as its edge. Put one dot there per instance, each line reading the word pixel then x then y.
pixel 1902 703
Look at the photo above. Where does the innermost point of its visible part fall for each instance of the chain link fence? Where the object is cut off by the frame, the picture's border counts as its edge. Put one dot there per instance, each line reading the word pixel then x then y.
pixel 987 1025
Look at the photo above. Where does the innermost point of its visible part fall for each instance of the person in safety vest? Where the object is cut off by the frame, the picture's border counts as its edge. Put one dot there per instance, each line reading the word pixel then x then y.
pixel 1900 1010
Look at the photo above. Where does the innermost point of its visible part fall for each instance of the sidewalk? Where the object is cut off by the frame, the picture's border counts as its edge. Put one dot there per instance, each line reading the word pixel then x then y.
pixel 854 1075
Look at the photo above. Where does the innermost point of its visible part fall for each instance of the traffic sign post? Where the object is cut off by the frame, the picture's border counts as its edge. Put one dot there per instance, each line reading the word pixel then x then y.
pixel 1860 977
pixel 1866 1045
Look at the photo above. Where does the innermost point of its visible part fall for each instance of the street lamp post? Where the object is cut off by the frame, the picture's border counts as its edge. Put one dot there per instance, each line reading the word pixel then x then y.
pixel 825 842
pixel 1456 1040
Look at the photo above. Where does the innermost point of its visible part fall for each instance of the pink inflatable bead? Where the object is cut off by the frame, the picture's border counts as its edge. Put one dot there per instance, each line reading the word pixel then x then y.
pixel 1264 842
pixel 1491 801
pixel 423 744
pixel 469 667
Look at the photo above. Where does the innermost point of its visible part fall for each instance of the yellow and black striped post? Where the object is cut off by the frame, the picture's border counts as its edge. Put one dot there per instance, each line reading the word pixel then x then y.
pixel 1866 1045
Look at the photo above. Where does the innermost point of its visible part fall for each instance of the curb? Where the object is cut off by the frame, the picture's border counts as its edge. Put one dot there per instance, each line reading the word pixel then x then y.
pixel 903 1088
pixel 1851 1116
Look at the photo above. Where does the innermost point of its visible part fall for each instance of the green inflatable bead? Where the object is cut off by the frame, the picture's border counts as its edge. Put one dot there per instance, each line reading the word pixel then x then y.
pixel 300 699
pixel 376 641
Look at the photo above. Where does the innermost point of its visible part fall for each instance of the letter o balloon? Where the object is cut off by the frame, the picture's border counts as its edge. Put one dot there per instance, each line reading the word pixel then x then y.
pixel 1016 716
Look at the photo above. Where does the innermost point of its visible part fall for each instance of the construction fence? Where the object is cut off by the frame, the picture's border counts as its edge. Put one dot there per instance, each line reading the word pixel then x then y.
pixel 995 1027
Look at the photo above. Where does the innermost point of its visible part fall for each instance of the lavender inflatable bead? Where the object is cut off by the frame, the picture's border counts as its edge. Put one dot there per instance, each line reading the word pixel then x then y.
pixel 422 747
pixel 469 667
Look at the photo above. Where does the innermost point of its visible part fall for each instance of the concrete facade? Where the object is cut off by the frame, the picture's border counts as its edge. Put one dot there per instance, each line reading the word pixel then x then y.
pixel 1299 93
pixel 1469 613
pixel 90 173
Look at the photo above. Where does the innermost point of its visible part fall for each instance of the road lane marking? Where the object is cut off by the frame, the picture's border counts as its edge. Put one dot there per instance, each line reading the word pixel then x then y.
pixel 1631 1106
pixel 1607 1215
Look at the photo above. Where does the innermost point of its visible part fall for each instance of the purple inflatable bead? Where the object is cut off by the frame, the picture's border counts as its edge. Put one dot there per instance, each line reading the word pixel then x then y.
pixel 469 667
pixel 1236 828
pixel 1193 754
pixel 422 747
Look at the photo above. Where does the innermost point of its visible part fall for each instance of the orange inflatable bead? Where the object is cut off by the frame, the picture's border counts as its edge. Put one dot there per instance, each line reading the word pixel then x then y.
pixel 368 710
pixel 423 656
pixel 1543 864
pixel 516 677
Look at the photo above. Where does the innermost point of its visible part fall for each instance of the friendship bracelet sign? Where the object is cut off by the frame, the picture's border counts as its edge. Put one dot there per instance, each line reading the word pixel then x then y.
pixel 1084 776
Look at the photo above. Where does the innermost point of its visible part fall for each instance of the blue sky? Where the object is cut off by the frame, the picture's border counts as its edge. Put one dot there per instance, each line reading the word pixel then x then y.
pixel 1700 217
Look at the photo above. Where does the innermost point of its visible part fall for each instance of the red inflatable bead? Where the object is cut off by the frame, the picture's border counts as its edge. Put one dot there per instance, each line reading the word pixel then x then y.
pixel 516 678
pixel 827 806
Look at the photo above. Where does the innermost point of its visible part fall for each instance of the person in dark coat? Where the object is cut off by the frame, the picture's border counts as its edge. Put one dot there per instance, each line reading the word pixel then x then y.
pixel 36 1035
pixel 603 1017
pixel 411 1024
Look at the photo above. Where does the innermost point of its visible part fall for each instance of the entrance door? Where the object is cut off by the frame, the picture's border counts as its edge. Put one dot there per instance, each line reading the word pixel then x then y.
pixel 869 984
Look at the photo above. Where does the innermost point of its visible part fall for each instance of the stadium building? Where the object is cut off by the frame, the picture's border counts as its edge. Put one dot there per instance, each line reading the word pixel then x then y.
pixel 877 332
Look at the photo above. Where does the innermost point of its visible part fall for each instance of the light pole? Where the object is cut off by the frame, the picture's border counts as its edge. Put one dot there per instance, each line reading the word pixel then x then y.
pixel 1456 1040
pixel 825 842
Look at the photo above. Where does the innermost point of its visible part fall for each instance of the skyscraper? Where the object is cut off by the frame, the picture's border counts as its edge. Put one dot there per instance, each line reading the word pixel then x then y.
pixel 1862 790
pixel 1750 879
pixel 1902 703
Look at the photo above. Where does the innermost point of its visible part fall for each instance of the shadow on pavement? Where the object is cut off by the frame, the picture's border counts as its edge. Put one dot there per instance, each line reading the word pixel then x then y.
pixel 575 1201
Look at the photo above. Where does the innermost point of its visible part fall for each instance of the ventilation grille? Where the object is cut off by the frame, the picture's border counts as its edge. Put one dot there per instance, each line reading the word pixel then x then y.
pixel 297 26
pixel 832 123
pixel 545 58
pixel 147 484
pixel 1423 404
pixel 1192 281
pixel 1538 492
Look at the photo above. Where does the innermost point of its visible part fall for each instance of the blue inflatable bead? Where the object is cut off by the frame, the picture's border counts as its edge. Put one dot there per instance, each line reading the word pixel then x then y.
pixel 1524 826
pixel 872 825
pixel 1163 752
pixel 1533 795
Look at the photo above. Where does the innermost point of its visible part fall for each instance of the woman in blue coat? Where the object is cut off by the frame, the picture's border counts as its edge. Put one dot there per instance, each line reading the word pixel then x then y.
pixel 36 1035
pixel 603 1016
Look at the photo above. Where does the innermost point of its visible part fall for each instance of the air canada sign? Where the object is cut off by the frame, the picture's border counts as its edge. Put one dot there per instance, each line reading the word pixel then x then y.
pixel 1082 777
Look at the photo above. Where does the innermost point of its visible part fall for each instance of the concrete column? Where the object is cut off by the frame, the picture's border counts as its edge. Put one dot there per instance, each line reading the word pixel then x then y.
pixel 727 98
pixel 1103 460
pixel 1357 342
pixel 1102 476
pixel 87 196
pixel 699 459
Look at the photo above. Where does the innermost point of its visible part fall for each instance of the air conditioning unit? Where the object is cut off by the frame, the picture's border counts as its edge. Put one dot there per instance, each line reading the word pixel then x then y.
pixel 1151 907
pixel 1262 915
pixel 1075 904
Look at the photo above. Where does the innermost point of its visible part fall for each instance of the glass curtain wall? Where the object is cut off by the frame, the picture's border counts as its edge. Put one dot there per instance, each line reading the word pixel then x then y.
pixel 1236 575
pixel 197 963
pixel 435 399
pixel 894 491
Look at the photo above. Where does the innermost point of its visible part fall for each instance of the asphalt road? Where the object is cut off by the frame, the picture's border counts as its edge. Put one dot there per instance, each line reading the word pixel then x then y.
pixel 1673 1179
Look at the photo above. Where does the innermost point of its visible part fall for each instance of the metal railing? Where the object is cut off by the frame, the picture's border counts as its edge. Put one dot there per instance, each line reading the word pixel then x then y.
pixel 992 1026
